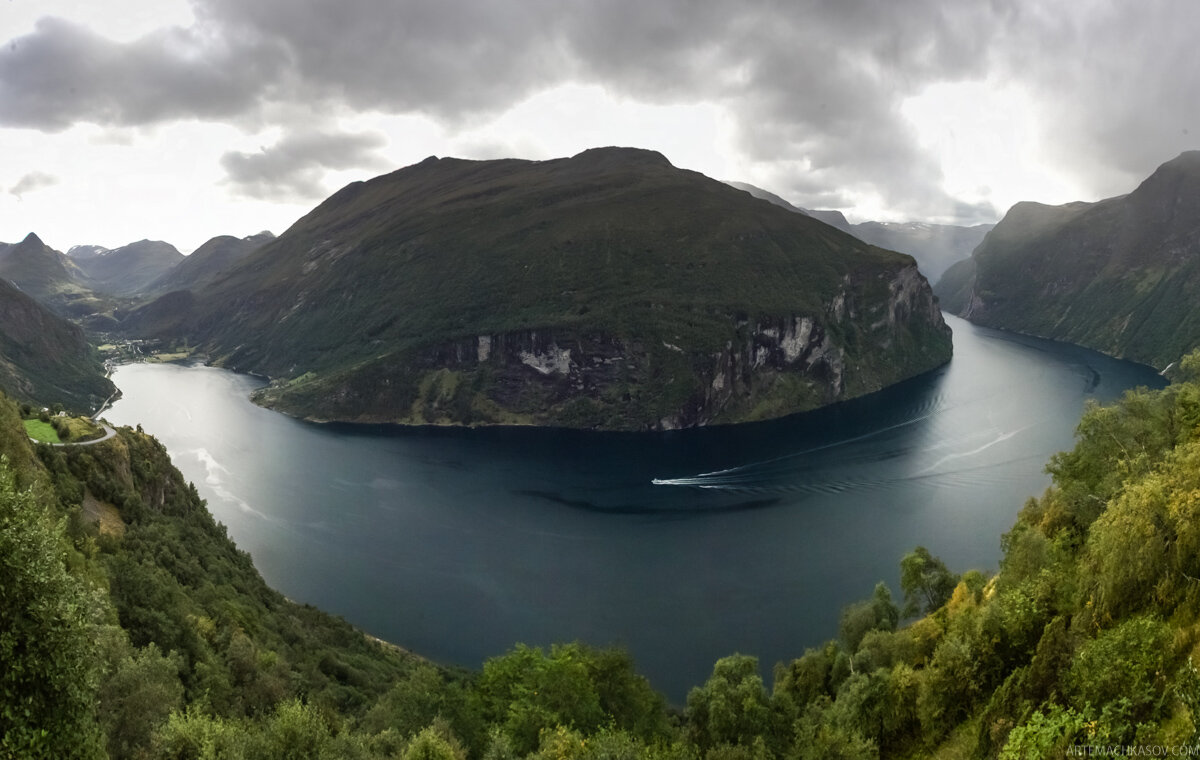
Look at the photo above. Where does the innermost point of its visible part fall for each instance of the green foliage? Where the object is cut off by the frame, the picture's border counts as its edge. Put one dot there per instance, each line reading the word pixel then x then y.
pixel 731 707
pixel 137 695
pixel 528 691
pixel 1044 735
pixel 926 582
pixel 1124 672
pixel 47 653
pixel 879 613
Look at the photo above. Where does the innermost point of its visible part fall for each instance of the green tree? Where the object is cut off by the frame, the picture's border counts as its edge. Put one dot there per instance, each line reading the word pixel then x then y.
pixel 48 674
pixel 435 742
pixel 527 691
pixel 137 696
pixel 731 707
pixel 879 613
pixel 926 582
pixel 1127 669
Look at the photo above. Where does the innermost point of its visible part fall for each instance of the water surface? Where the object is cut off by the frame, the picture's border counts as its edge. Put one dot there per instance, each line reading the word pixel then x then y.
pixel 682 546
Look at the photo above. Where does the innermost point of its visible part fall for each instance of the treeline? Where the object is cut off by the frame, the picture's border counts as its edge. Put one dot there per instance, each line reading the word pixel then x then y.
pixel 158 639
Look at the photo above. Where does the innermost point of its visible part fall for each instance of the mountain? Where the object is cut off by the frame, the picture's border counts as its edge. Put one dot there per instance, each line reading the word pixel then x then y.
pixel 1119 275
pixel 82 252
pixel 209 261
pixel 935 246
pixel 832 218
pixel 606 290
pixel 48 276
pixel 44 358
pixel 127 270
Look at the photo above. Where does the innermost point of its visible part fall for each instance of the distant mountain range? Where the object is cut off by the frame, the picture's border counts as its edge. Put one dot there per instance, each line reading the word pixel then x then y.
pixel 935 246
pixel 1120 275
pixel 48 276
pixel 127 270
pixel 606 290
pixel 207 263
pixel 46 358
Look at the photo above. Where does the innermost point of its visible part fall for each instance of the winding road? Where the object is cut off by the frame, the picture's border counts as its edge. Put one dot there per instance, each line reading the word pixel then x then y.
pixel 109 432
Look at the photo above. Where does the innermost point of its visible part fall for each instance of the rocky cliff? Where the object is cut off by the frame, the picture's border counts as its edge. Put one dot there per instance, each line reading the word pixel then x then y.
pixel 608 290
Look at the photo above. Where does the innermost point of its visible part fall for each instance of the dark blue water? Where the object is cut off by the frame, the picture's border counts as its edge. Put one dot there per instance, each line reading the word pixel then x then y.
pixel 683 546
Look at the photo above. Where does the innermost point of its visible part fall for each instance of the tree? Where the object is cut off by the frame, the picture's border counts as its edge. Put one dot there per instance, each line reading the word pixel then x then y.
pixel 47 655
pixel 731 707
pixel 926 582
pixel 527 691
pixel 879 613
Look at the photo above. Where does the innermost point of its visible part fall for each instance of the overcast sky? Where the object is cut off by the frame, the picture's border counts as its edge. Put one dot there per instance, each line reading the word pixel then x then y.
pixel 177 120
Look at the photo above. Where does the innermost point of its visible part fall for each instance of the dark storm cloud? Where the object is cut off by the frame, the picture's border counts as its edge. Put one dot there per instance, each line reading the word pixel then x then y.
pixel 63 73
pixel 31 182
pixel 293 167
pixel 1118 85
pixel 815 87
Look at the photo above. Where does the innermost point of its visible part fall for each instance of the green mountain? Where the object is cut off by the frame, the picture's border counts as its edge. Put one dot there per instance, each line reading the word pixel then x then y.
pixel 1118 275
pixel 606 290
pixel 48 276
pixel 127 270
pixel 44 359
pixel 205 264
pixel 935 246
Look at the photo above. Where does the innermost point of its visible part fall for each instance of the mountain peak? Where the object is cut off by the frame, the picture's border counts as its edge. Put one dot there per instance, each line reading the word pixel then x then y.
pixel 32 239
pixel 613 155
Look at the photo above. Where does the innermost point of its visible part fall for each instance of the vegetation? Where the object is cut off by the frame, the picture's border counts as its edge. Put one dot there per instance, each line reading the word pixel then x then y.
pixel 645 295
pixel 1114 275
pixel 165 643
pixel 46 359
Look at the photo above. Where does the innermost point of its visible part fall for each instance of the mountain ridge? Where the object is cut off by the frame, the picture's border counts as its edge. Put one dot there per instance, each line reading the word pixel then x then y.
pixel 1114 275
pixel 936 247
pixel 608 289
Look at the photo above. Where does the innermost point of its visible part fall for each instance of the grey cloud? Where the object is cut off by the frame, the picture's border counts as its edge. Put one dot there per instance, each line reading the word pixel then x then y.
pixel 1117 87
pixel 294 167
pixel 32 181
pixel 815 86
pixel 63 73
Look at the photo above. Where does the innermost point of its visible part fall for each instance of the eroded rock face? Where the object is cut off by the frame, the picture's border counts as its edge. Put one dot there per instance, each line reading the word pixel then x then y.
pixel 768 367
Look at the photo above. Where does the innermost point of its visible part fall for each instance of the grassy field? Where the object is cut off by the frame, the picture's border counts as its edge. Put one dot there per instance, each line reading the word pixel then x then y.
pixel 80 429
pixel 41 431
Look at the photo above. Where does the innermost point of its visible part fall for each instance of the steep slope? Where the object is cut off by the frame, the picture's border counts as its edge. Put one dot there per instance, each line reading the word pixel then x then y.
pixel 203 265
pixel 1118 275
pixel 128 270
pixel 44 358
pixel 48 276
pixel 935 246
pixel 605 290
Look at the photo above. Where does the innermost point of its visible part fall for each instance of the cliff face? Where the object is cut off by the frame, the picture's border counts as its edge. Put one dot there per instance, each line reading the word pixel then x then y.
pixel 606 290
pixel 1118 275
pixel 768 367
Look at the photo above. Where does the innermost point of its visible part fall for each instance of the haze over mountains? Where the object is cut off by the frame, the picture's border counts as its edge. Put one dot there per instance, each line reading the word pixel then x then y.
pixel 127 270
pixel 935 246
pixel 1120 275
pixel 606 290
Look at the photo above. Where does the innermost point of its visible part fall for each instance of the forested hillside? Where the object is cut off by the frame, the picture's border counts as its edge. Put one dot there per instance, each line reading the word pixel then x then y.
pixel 132 627
pixel 607 290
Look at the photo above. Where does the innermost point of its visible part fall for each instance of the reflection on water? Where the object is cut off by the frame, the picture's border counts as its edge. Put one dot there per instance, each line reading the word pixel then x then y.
pixel 683 546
